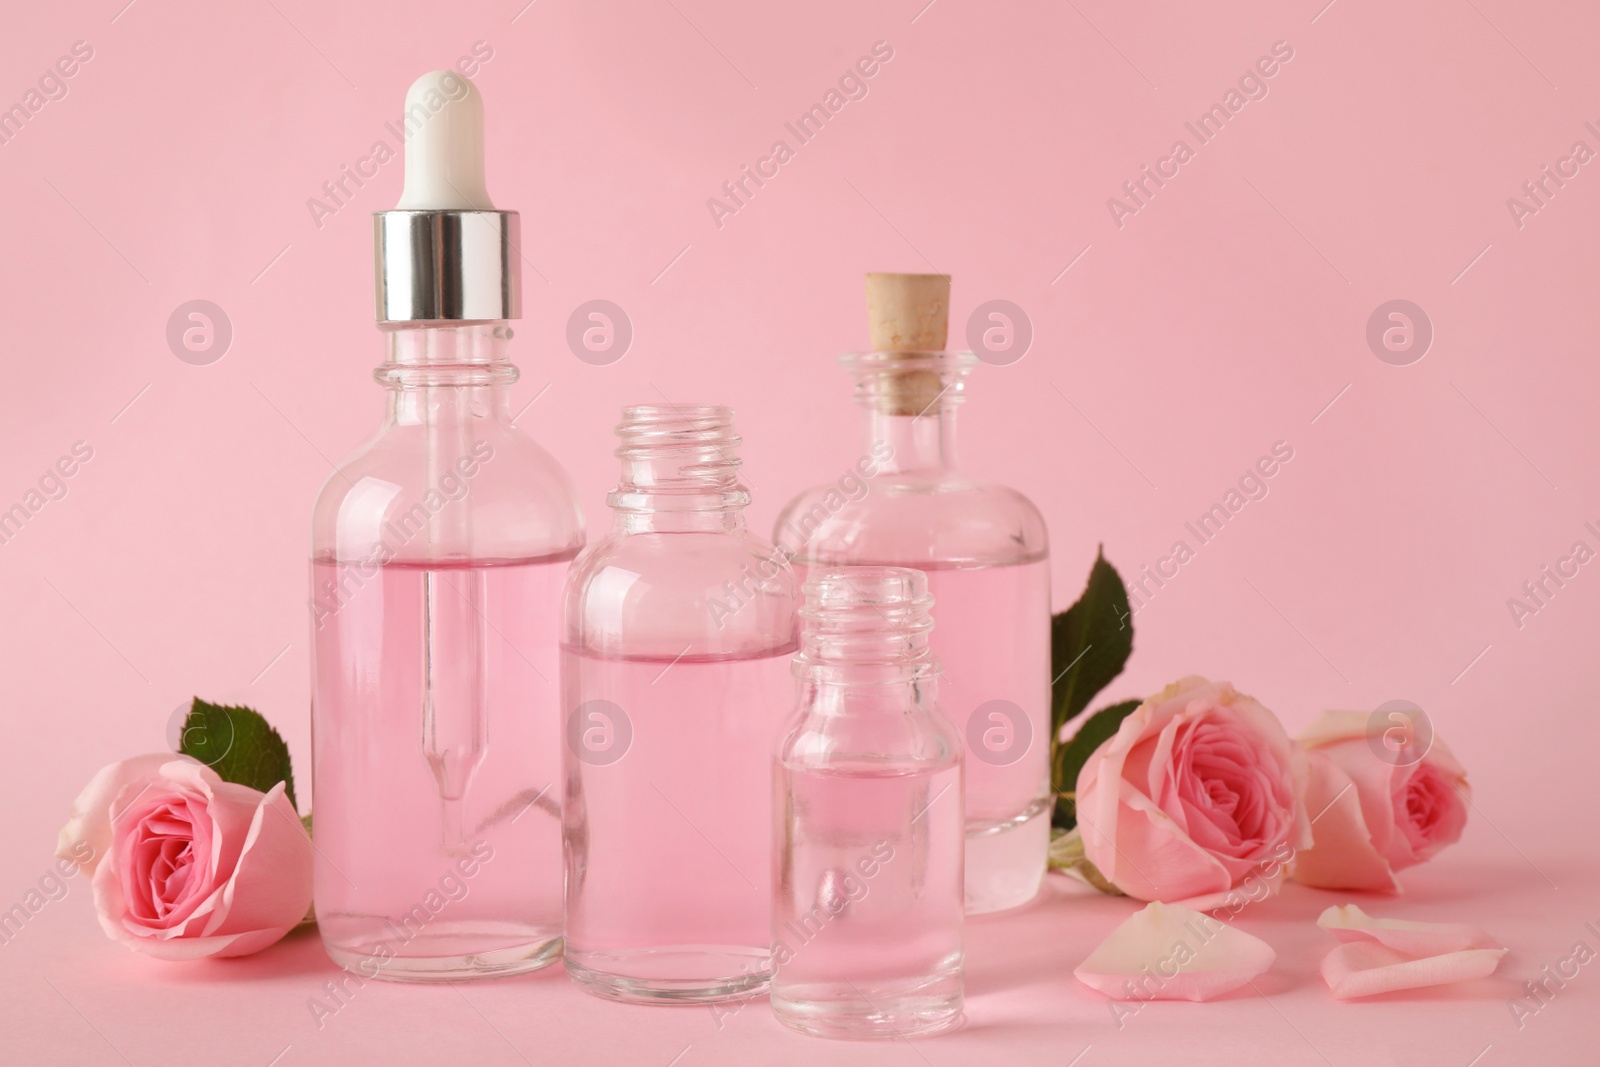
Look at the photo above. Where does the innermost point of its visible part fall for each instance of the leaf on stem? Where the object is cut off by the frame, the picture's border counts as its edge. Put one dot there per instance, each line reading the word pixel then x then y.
pixel 1089 643
pixel 239 744
pixel 1070 756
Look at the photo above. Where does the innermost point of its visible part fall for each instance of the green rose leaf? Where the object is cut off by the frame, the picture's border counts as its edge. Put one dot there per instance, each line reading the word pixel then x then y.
pixel 1069 757
pixel 1089 643
pixel 239 744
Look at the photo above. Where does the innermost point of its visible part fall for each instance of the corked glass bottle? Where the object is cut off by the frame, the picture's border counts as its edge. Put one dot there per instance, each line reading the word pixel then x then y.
pixel 985 550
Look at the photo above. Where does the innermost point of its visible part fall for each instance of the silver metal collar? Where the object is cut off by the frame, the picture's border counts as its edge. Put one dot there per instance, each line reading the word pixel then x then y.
pixel 459 265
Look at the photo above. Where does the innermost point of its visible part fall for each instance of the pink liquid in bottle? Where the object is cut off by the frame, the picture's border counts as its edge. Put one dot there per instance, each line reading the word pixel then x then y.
pixel 867 922
pixel 675 678
pixel 671 885
pixel 436 736
pixel 991 633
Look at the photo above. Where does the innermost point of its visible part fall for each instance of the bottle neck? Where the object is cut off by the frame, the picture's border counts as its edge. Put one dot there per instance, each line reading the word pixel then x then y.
pixel 915 443
pixel 680 471
pixel 672 517
pixel 444 372
pixel 910 401
pixel 865 627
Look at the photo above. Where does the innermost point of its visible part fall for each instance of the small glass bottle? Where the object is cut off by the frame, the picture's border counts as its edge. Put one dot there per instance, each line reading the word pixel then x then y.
pixel 985 551
pixel 867 909
pixel 675 674
pixel 439 551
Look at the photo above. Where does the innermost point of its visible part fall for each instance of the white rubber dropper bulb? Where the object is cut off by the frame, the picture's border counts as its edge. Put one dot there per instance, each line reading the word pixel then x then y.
pixel 444 145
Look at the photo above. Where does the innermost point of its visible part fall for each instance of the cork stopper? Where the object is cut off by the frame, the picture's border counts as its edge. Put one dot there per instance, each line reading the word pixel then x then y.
pixel 908 315
pixel 908 312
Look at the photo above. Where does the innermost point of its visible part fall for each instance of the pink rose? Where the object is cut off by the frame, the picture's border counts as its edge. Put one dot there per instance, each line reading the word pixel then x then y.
pixel 1197 790
pixel 1374 816
pixel 186 865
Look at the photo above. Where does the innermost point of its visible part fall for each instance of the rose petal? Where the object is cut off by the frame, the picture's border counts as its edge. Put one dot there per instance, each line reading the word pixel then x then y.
pixel 1168 952
pixel 1376 782
pixel 1366 968
pixel 1333 726
pixel 1350 923
pixel 1171 866
pixel 183 949
pixel 1256 887
pixel 271 886
pixel 1384 955
pixel 1342 855
pixel 87 835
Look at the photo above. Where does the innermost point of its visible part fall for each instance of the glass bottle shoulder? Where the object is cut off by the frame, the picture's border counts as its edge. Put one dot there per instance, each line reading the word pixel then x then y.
pixel 867 729
pixel 703 593
pixel 906 519
pixel 480 490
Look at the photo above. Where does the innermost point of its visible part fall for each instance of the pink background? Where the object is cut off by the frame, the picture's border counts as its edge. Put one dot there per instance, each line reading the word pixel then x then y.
pixel 1226 315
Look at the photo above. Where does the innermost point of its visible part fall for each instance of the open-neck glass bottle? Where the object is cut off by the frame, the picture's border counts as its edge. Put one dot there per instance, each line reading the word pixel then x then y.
pixel 867 906
pixel 675 676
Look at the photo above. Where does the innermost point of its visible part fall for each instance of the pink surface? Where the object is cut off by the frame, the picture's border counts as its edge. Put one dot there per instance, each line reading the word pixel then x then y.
pixel 1169 353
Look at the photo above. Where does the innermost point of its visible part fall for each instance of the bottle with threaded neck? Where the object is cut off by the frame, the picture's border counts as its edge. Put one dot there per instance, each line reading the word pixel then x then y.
pixel 675 673
pixel 868 905
pixel 985 551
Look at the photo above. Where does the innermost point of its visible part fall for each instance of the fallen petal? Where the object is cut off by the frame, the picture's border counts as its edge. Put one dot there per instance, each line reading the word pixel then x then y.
pixel 1367 968
pixel 1170 952
pixel 1414 939
pixel 1384 955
